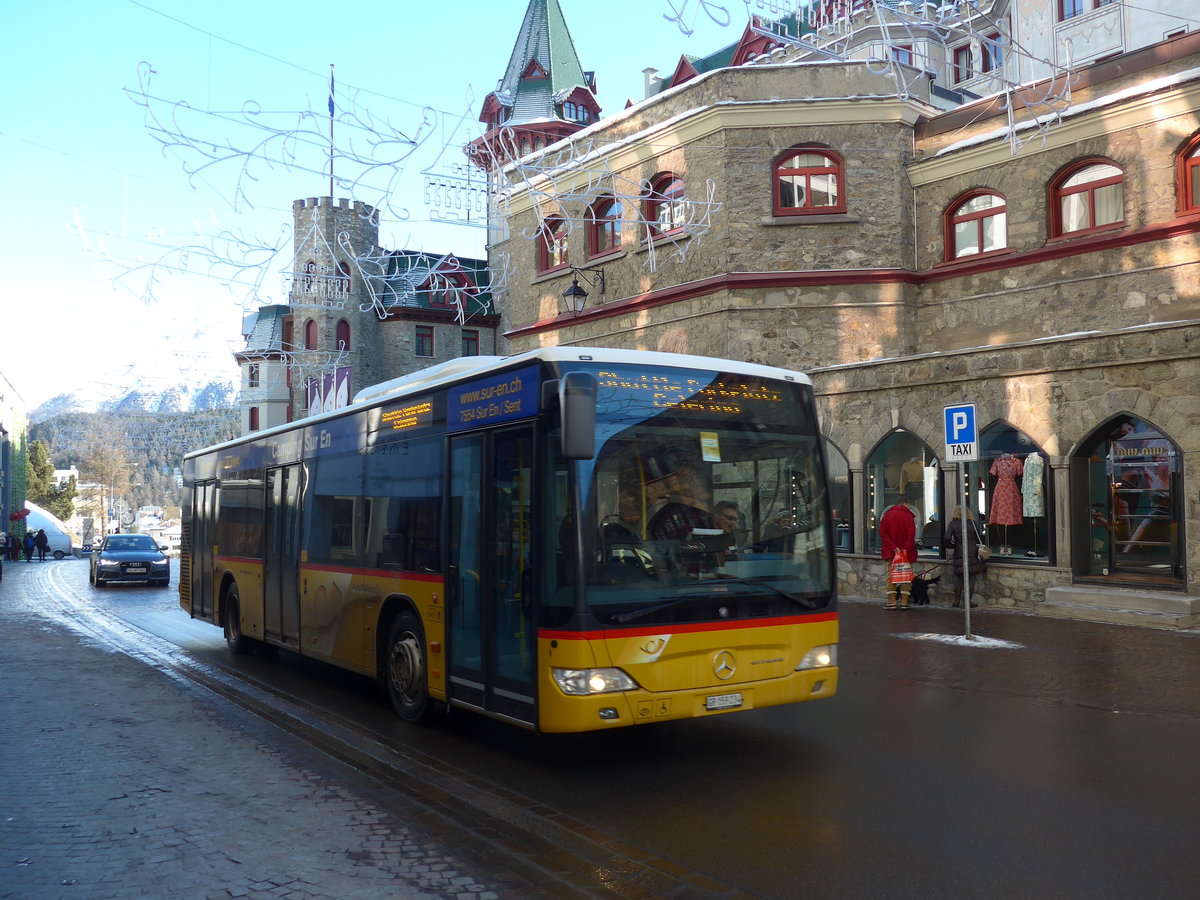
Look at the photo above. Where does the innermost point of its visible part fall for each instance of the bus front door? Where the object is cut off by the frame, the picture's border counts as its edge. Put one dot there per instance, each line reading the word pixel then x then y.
pixel 282 594
pixel 490 636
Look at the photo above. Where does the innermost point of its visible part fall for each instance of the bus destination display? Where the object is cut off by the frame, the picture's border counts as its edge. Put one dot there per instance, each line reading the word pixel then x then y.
pixel 663 389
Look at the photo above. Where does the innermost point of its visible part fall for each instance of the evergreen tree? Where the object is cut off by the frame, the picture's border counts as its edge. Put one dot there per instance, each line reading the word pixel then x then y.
pixel 39 483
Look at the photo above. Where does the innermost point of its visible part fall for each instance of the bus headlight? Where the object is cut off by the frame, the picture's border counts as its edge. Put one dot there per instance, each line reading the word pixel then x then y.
pixel 582 682
pixel 820 657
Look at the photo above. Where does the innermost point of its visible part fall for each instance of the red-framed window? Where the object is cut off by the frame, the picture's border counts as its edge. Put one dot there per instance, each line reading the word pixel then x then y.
pixel 962 63
pixel 310 335
pixel 1069 9
pixel 976 223
pixel 604 226
pixel 552 245
pixel 448 291
pixel 470 342
pixel 342 335
pixel 254 418
pixel 1089 196
pixel 423 345
pixel 902 53
pixel 666 206
pixel 1189 176
pixel 808 180
pixel 991 53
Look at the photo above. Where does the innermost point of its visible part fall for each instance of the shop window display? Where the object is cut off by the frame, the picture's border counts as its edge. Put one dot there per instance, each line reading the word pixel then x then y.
pixel 1010 483
pixel 903 467
pixel 1133 477
pixel 839 496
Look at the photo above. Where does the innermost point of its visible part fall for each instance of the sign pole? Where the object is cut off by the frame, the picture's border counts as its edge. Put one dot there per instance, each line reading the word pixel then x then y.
pixel 962 446
pixel 966 547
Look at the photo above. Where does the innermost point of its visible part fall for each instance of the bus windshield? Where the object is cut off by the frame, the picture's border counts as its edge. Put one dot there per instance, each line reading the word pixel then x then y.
pixel 705 500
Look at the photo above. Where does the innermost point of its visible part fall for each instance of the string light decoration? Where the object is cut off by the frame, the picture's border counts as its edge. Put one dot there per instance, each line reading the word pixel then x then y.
pixel 908 40
pixel 565 180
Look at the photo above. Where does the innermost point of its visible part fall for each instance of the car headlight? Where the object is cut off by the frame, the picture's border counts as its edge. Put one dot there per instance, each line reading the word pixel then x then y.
pixel 822 656
pixel 108 563
pixel 581 682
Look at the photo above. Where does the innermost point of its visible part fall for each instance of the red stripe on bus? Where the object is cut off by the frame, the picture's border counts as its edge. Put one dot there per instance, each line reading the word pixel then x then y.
pixel 244 560
pixel 375 573
pixel 643 631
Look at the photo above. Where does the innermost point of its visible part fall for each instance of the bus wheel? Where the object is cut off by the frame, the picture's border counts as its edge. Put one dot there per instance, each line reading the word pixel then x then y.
pixel 406 676
pixel 234 639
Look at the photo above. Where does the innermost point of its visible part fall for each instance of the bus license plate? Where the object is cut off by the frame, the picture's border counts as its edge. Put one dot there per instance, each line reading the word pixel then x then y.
pixel 723 701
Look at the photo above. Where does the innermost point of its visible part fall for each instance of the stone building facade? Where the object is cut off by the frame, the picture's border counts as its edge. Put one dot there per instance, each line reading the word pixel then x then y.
pixel 1053 282
pixel 356 315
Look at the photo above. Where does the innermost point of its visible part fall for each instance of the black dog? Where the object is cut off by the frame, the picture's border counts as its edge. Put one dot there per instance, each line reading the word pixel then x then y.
pixel 919 595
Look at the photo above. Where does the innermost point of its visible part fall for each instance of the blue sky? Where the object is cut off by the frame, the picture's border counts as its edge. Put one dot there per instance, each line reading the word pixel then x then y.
pixel 91 195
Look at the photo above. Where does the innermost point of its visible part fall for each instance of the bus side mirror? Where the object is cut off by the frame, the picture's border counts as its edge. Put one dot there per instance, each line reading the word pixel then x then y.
pixel 577 403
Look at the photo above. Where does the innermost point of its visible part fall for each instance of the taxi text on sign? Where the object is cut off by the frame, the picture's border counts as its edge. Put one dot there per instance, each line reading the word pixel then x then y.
pixel 962 438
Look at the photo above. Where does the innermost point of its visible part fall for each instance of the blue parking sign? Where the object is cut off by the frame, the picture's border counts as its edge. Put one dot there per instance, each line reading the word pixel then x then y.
pixel 962 438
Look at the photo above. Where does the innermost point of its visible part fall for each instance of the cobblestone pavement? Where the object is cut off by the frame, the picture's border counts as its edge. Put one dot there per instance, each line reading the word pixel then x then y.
pixel 119 781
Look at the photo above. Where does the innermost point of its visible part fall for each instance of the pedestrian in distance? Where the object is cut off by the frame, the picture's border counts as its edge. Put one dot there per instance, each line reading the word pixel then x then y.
pixel 970 556
pixel 3 552
pixel 30 544
pixel 898 546
pixel 42 543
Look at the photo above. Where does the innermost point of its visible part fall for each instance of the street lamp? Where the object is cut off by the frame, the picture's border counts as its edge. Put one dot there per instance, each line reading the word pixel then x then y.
pixel 575 296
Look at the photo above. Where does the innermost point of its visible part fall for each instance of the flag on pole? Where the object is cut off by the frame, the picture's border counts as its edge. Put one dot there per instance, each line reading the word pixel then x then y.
pixel 331 89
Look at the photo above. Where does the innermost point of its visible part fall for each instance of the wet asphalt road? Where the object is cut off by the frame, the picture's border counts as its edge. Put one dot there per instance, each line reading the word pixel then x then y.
pixel 1060 763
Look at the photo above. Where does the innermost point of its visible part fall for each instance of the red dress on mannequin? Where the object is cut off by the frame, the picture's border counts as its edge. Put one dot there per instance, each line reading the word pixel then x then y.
pixel 1006 498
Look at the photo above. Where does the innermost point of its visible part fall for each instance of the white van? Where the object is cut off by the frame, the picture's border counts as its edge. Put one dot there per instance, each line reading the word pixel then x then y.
pixel 62 543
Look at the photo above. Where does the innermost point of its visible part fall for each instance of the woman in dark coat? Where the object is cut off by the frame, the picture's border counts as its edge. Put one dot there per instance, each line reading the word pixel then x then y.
pixel 954 543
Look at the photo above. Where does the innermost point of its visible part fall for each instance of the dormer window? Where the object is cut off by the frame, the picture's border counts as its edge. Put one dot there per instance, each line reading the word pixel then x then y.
pixel 533 71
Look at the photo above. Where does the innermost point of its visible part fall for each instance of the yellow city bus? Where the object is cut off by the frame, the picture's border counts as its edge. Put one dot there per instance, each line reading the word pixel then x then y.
pixel 568 540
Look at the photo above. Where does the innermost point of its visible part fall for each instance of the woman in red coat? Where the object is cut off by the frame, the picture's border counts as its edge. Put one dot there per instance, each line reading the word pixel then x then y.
pixel 898 531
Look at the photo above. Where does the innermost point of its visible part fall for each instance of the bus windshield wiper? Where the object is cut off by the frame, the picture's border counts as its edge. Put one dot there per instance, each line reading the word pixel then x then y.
pixel 779 592
pixel 643 612
pixel 634 614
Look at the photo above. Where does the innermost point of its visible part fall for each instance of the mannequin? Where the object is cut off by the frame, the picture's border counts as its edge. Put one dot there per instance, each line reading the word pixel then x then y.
pixel 1033 495
pixel 911 472
pixel 1005 508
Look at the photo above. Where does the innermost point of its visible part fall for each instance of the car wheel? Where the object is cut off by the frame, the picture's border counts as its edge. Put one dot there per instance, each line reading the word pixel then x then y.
pixel 58 554
pixel 407 679
pixel 234 639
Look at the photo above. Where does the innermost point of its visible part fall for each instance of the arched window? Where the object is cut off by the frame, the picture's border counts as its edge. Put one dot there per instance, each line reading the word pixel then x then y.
pixel 343 335
pixel 604 227
pixel 552 245
pixel 1088 197
pixel 1128 512
pixel 977 223
pixel 1189 176
pixel 808 180
pixel 1012 494
pixel 840 497
pixel 310 335
pixel 902 467
pixel 666 206
pixel 343 277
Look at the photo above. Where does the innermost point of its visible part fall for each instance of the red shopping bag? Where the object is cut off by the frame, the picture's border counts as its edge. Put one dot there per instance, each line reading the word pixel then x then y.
pixel 901 571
